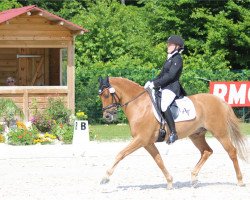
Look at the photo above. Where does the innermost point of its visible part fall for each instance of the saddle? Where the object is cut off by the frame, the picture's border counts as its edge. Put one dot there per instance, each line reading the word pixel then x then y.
pixel 173 106
pixel 182 109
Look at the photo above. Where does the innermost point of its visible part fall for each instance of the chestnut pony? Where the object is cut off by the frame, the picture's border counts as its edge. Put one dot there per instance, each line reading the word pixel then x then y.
pixel 212 114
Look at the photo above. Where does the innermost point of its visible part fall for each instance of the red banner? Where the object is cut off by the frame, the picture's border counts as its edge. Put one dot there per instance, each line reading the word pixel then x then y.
pixel 236 94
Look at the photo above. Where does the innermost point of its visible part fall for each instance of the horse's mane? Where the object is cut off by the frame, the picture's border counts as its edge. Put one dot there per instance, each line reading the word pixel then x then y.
pixel 129 83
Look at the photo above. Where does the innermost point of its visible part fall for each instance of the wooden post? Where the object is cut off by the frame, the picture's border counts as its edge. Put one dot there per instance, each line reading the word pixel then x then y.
pixel 26 105
pixel 71 75
pixel 46 65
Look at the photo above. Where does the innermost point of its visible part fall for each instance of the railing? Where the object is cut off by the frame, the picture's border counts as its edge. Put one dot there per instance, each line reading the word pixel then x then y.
pixel 26 96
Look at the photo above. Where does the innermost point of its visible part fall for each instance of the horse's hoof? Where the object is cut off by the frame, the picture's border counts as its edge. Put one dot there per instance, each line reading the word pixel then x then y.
pixel 105 180
pixel 241 184
pixel 169 186
pixel 194 183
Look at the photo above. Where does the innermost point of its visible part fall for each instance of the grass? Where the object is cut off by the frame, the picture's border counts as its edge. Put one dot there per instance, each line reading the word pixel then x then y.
pixel 109 132
pixel 122 132
pixel 245 128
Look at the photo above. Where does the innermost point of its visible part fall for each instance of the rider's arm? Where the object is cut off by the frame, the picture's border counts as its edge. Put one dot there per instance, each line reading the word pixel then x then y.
pixel 171 75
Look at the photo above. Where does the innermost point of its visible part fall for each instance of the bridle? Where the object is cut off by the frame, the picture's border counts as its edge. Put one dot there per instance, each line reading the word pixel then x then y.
pixel 115 99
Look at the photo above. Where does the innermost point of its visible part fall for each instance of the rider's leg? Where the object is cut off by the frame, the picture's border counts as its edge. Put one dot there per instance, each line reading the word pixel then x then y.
pixel 167 98
pixel 171 124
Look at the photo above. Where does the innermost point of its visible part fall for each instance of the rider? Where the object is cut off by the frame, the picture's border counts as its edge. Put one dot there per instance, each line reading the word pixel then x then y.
pixel 168 81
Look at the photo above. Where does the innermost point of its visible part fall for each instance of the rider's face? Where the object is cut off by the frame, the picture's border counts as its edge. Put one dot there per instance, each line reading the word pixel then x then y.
pixel 171 47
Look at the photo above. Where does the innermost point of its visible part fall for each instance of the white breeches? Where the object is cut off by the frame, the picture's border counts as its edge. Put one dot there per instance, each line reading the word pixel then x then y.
pixel 167 98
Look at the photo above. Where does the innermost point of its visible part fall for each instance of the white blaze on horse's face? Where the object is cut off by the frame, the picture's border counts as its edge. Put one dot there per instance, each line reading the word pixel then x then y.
pixel 108 104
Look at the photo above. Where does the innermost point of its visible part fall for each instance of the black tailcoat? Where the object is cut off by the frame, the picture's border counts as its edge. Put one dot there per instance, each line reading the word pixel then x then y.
pixel 170 75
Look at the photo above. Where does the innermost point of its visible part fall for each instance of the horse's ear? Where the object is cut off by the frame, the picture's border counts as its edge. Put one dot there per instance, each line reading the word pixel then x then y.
pixel 107 79
pixel 100 79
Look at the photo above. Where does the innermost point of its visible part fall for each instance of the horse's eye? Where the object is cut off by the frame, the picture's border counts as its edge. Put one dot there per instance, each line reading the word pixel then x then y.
pixel 106 95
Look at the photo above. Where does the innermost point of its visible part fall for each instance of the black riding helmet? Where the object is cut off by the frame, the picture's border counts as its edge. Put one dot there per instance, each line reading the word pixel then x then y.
pixel 175 39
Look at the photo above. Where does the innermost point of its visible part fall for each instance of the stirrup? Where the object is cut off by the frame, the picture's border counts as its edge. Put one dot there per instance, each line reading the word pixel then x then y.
pixel 172 138
pixel 161 136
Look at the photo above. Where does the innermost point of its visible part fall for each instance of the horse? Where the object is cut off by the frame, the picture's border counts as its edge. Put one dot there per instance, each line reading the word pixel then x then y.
pixel 212 114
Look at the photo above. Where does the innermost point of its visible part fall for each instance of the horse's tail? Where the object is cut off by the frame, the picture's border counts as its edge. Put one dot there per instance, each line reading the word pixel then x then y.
pixel 238 139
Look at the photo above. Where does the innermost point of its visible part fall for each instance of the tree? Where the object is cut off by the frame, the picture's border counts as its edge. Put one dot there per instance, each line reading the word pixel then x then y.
pixel 9 4
pixel 52 6
pixel 118 44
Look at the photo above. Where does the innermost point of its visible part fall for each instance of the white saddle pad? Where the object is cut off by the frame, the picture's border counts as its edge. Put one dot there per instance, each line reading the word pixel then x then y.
pixel 186 110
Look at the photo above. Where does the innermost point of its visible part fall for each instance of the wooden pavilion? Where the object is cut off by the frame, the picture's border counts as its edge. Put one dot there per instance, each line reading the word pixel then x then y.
pixel 37 50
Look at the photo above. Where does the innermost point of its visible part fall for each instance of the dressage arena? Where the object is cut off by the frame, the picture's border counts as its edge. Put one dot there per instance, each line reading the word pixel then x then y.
pixel 51 172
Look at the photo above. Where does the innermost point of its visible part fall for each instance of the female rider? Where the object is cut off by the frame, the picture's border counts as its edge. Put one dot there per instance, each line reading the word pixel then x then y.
pixel 168 81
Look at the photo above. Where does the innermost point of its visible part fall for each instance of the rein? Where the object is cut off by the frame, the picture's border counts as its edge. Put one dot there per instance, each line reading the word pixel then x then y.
pixel 125 104
pixel 116 103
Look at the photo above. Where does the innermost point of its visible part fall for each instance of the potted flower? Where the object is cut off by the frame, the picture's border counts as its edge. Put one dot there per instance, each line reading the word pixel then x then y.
pixel 80 115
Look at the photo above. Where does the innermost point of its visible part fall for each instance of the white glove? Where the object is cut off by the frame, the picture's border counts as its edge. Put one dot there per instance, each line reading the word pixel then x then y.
pixel 149 85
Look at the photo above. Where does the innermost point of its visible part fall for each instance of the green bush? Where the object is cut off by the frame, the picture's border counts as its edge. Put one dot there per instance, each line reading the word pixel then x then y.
pixel 1 128
pixel 21 136
pixel 57 110
pixel 42 123
pixel 63 132
pixel 9 110
pixel 54 113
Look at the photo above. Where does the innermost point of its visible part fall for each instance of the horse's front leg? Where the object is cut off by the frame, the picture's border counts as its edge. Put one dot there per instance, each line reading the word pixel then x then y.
pixel 152 149
pixel 133 146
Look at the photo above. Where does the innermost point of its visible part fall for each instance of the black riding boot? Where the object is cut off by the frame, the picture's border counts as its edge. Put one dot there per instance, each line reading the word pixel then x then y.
pixel 169 118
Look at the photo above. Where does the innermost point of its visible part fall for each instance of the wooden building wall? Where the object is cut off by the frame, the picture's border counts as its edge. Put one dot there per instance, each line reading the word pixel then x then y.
pixel 8 64
pixel 26 96
pixel 33 31
pixel 36 35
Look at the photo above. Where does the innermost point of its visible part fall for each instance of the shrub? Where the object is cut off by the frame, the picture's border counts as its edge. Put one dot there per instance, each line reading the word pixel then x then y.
pixel 8 110
pixel 57 110
pixel 1 128
pixel 43 123
pixel 22 136
pixel 68 134
pixel 63 132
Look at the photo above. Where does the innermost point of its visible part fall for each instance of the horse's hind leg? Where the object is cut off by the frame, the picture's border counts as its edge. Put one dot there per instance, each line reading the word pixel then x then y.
pixel 232 152
pixel 157 157
pixel 133 146
pixel 200 142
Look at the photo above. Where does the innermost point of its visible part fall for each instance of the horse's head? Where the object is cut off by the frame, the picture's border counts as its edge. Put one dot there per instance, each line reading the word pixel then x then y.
pixel 109 98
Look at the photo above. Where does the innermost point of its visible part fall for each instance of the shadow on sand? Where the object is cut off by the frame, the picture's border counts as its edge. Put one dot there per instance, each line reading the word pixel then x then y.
pixel 177 185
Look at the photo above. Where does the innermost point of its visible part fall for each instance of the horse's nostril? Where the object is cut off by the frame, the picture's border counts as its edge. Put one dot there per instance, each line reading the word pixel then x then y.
pixel 107 116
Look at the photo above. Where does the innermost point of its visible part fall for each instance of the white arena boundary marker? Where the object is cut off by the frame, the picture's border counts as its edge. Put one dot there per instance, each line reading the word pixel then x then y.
pixel 81 137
